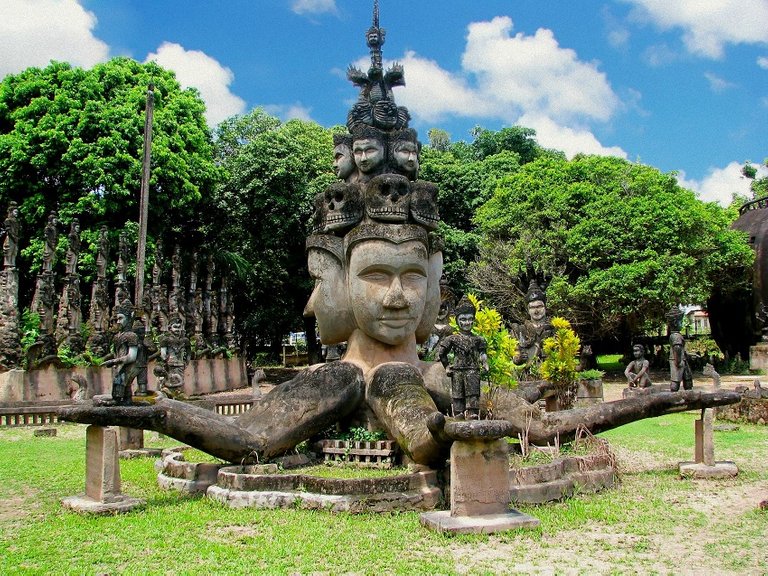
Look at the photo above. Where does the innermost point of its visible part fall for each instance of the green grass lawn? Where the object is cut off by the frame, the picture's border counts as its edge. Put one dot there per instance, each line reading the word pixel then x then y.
pixel 634 528
pixel 610 363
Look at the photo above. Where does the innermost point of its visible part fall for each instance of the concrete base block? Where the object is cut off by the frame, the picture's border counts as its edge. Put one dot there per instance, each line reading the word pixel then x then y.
pixel 699 470
pixel 485 524
pixel 86 505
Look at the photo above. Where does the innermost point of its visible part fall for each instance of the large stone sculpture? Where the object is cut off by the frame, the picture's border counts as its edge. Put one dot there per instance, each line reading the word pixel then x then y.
pixel 10 346
pixel 377 264
pixel 98 317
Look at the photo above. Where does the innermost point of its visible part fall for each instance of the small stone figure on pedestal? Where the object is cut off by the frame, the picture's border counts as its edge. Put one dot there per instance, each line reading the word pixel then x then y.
pixel 51 239
pixel 637 370
pixel 126 345
pixel 532 333
pixel 11 240
pixel 469 358
pixel 679 370
pixel 173 356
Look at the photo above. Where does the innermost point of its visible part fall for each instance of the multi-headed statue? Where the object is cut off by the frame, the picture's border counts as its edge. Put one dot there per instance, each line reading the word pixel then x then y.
pixel 377 261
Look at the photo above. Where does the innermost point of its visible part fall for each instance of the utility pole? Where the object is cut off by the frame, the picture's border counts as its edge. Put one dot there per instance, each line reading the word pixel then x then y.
pixel 144 202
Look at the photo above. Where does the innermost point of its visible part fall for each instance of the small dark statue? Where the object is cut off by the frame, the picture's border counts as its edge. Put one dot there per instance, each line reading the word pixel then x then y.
pixel 637 370
pixel 469 358
pixel 126 345
pixel 679 369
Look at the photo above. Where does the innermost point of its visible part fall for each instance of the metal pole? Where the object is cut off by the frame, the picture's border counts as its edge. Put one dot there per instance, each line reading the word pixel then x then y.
pixel 144 201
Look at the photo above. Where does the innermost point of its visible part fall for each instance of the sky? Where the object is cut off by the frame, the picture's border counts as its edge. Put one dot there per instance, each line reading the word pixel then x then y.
pixel 679 85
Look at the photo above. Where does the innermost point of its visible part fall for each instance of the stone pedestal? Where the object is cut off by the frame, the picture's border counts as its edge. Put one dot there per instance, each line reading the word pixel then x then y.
pixel 758 356
pixel 589 392
pixel 704 465
pixel 132 444
pixel 102 476
pixel 479 482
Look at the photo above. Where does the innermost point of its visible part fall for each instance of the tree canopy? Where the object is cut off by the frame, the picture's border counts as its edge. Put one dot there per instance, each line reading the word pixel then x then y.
pixel 260 210
pixel 72 140
pixel 621 242
pixel 466 175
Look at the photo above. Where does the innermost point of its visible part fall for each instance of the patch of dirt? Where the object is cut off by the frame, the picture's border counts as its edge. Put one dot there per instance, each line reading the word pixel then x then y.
pixel 17 507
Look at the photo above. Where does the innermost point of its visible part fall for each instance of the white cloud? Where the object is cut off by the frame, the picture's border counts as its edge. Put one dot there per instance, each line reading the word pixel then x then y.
pixel 196 69
pixel 660 55
pixel 762 61
pixel 533 73
pixel 716 83
pixel 34 33
pixel 313 6
pixel 708 25
pixel 528 80
pixel 289 111
pixel 572 141
pixel 720 184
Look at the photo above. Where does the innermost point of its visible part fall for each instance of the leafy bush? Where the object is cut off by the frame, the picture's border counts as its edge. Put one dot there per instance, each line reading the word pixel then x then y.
pixel 561 361
pixel 592 374
pixel 501 345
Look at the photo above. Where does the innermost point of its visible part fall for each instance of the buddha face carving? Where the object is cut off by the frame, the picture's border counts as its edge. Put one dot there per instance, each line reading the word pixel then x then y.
pixel 343 162
pixel 387 198
pixel 406 156
pixel 342 207
pixel 424 204
pixel 369 155
pixel 329 303
pixel 388 287
pixel 537 310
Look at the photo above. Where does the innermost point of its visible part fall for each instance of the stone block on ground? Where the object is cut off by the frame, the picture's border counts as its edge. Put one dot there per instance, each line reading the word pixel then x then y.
pixel 102 476
pixel 700 471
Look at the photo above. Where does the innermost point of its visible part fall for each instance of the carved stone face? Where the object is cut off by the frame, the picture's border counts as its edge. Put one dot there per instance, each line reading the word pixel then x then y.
pixel 343 207
pixel 388 198
pixel 176 327
pixel 465 322
pixel 369 155
pixel 406 156
pixel 343 162
pixel 537 310
pixel 388 286
pixel 329 303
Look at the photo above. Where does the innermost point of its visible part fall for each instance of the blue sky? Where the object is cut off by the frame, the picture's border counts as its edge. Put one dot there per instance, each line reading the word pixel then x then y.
pixel 680 85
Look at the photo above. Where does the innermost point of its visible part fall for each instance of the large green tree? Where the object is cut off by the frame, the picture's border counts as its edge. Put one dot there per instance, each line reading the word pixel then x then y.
pixel 260 211
pixel 72 140
pixel 622 242
pixel 466 175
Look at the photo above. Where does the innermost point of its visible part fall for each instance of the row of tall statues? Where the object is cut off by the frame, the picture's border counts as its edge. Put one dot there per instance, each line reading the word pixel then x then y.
pixel 182 322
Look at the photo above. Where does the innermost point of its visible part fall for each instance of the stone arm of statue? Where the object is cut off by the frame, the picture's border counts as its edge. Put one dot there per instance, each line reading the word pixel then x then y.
pixel 631 376
pixel 543 427
pixel 292 412
pixel 128 358
pixel 443 349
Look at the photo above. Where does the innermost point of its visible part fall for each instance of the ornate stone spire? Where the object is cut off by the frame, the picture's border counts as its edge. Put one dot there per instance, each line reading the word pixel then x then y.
pixel 376 105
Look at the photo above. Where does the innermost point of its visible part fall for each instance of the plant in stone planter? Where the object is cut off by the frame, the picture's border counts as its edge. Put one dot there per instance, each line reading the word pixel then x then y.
pixel 591 374
pixel 561 361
